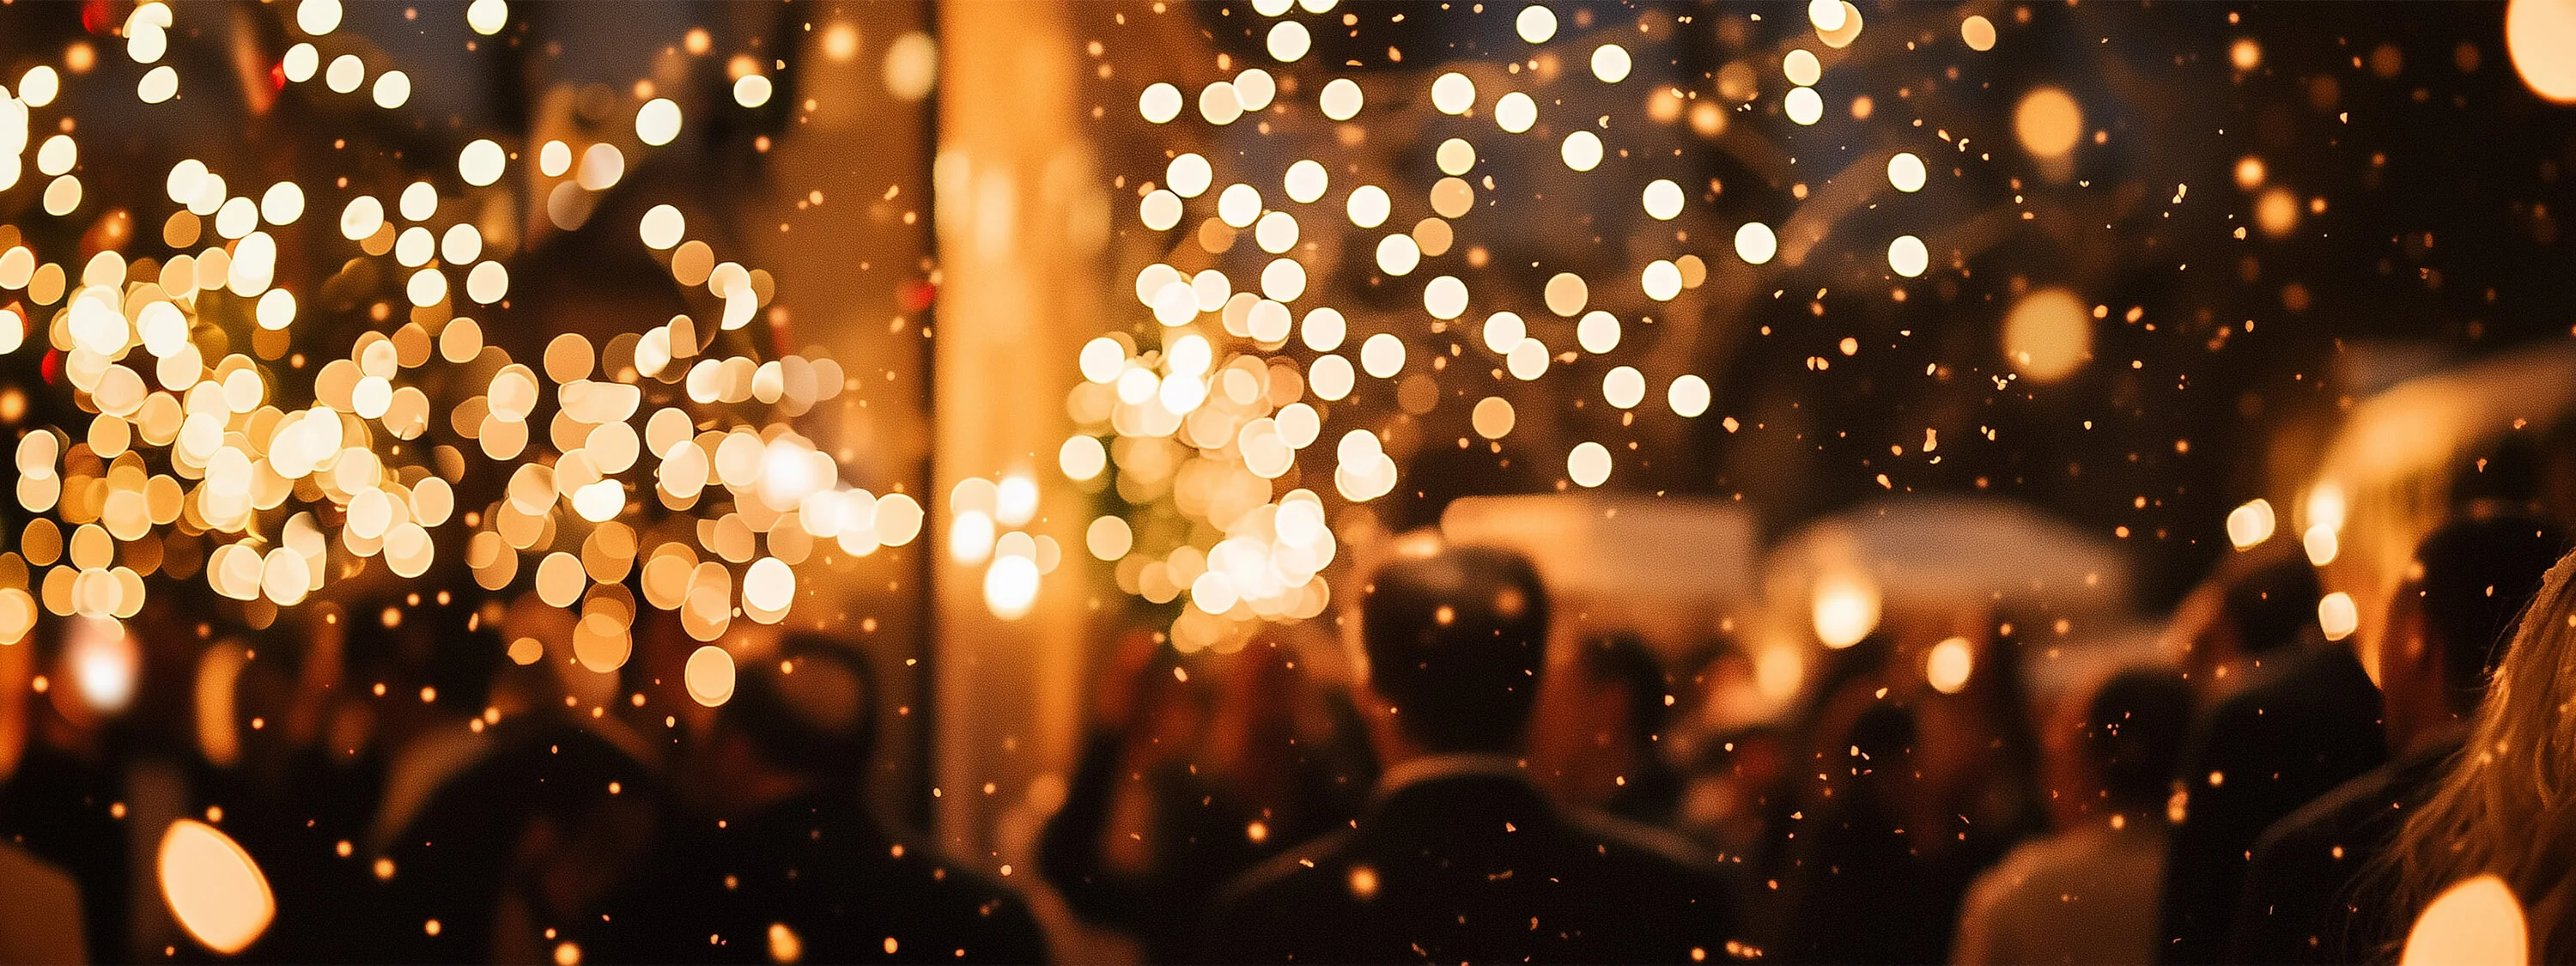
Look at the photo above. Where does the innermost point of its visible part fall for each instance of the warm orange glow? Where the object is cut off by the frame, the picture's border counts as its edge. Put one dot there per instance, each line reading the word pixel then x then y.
pixel 2048 335
pixel 2048 122
pixel 1846 609
pixel 2541 37
pixel 2475 923
pixel 214 889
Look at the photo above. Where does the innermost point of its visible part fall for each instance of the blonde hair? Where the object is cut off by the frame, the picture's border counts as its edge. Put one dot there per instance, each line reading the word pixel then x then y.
pixel 2507 804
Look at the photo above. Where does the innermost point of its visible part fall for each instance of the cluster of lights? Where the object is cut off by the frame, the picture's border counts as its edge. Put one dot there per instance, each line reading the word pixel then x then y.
pixel 192 466
pixel 1191 455
pixel 2253 522
pixel 1201 422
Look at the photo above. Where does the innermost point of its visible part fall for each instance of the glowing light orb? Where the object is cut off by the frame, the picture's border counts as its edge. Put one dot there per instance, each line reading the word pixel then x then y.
pixel 1160 103
pixel 487 17
pixel 709 676
pixel 1493 417
pixel 2048 122
pixel 39 85
pixel 2048 335
pixel 2337 614
pixel 1845 609
pixel 1905 172
pixel 1535 24
pixel 1218 104
pixel 2475 923
pixel 1801 66
pixel 2277 212
pixel 1803 105
pixel 1581 151
pixel 1382 355
pixel 1598 333
pixel 1624 387
pixel 1588 465
pixel 2250 524
pixel 1662 280
pixel 1341 99
pixel 2540 37
pixel 1453 93
pixel 1109 538
pixel 213 887
pixel 104 663
pixel 162 83
pixel 1254 88
pixel 1907 256
pixel 1566 294
pixel 1323 329
pixel 1082 458
pixel 1369 206
pixel 481 162
pixel 1306 181
pixel 1689 396
pixel 392 90
pixel 1825 14
pixel 2326 505
pixel 1515 112
pixel 1947 665
pixel 1977 32
pixel 911 66
pixel 1011 587
pixel 1663 199
pixel 1610 63
pixel 1755 243
pixel 658 121
pixel 317 17
pixel 2321 544
pixel 752 90
pixel 1288 41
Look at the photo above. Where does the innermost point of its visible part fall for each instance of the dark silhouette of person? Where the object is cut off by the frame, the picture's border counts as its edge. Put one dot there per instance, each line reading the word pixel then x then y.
pixel 1457 857
pixel 517 854
pixel 789 864
pixel 2303 719
pixel 1183 785
pixel 1599 741
pixel 2087 893
pixel 1857 888
pixel 2308 895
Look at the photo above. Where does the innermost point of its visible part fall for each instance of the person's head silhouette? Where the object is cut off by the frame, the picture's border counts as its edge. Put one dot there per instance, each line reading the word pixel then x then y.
pixel 1454 642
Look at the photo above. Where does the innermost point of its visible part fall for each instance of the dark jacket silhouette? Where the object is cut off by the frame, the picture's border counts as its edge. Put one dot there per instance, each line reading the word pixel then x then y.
pixel 2307 897
pixel 2308 724
pixel 816 876
pixel 1474 866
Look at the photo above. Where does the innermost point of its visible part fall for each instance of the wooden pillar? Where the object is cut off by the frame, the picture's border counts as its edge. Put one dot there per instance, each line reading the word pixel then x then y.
pixel 1021 220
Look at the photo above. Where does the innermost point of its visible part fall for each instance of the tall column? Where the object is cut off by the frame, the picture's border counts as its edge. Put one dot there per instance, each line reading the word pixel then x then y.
pixel 1020 224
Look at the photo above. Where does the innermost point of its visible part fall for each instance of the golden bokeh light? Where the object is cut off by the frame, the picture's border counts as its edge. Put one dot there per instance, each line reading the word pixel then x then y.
pixel 1845 609
pixel 1977 32
pixel 2250 524
pixel 709 675
pixel 2338 615
pixel 1947 665
pixel 2540 37
pixel 2048 122
pixel 213 888
pixel 2476 922
pixel 2048 335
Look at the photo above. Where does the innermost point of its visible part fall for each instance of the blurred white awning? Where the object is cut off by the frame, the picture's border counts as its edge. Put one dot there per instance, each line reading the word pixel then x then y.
pixel 1668 567
pixel 1931 551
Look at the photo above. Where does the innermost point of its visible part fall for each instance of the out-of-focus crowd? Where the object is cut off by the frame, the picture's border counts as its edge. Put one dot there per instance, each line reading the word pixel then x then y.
pixel 1449 786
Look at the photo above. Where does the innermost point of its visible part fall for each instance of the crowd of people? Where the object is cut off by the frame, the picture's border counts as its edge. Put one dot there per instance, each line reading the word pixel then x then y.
pixel 1460 786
